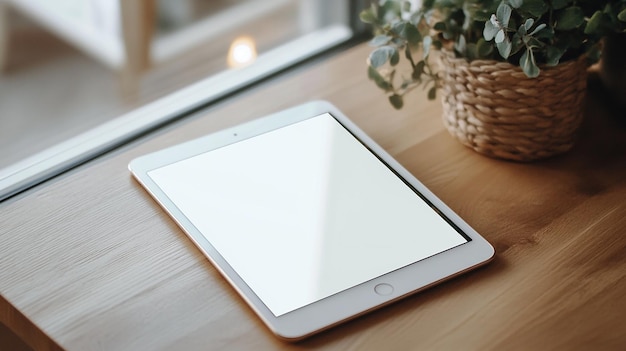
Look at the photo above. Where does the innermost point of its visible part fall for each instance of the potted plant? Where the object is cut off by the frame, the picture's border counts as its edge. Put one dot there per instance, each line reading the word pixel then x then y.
pixel 512 72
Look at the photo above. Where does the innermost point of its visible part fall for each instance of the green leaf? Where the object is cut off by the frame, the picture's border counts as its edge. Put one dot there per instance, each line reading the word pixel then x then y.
pixel 408 31
pixel 553 55
pixel 396 101
pixel 516 44
pixel 538 29
pixel 622 16
pixel 570 18
pixel 392 8
pixel 593 25
pixel 490 30
pixel 560 4
pixel 515 3
pixel 394 58
pixel 432 93
pixel 380 56
pixel 412 35
pixel 535 7
pixel 483 48
pixel 545 33
pixel 368 16
pixel 380 81
pixel 372 73
pixel 503 14
pixel 528 64
pixel 399 28
pixel 380 40
pixel 504 48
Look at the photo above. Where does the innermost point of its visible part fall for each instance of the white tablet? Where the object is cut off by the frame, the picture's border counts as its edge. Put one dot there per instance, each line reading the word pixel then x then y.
pixel 308 218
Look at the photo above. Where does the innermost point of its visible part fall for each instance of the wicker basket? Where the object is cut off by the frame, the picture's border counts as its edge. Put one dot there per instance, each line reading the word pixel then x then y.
pixel 493 108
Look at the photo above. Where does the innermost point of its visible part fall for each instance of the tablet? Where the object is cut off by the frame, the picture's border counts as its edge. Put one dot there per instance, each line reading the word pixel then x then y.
pixel 308 218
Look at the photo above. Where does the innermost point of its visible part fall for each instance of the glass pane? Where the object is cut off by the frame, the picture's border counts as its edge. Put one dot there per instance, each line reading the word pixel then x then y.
pixel 68 66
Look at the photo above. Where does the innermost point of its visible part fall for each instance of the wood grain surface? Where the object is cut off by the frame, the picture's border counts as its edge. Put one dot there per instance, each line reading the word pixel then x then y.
pixel 88 261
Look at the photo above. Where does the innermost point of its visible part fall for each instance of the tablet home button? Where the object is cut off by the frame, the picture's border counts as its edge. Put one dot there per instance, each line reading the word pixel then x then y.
pixel 383 289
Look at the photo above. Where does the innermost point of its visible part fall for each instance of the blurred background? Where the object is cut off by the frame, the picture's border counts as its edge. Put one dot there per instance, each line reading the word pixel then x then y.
pixel 67 66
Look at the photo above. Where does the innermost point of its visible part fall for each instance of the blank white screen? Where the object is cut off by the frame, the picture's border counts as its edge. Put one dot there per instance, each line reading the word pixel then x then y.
pixel 304 212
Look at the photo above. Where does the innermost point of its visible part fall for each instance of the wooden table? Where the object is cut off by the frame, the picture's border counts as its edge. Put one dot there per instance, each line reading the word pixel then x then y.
pixel 90 262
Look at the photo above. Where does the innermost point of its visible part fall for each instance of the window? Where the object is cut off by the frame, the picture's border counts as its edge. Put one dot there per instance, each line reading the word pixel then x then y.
pixel 78 77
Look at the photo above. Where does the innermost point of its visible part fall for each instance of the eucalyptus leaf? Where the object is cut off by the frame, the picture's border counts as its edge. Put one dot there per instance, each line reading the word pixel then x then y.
pixel 368 16
pixel 372 73
pixel 428 40
pixel 517 44
pixel 545 33
pixel 515 3
pixel 500 36
pixel 529 24
pixel 394 58
pixel 553 55
pixel 396 101
pixel 528 64
pixel 381 55
pixel 483 49
pixel 383 84
pixel 504 48
pixel 570 18
pixel 380 40
pixel 432 93
pixel 490 30
pixel 622 15
pixel 392 8
pixel 399 28
pixel 535 7
pixel 593 25
pixel 503 14
pixel 560 4
pixel 380 81
pixel 538 29
pixel 412 35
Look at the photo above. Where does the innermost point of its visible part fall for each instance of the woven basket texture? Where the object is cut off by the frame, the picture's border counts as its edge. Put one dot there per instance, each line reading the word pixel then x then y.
pixel 493 108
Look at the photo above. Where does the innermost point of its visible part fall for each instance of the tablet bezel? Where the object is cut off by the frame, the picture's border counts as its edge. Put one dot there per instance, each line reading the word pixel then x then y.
pixel 349 303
